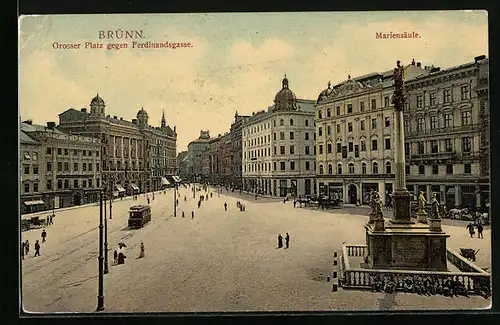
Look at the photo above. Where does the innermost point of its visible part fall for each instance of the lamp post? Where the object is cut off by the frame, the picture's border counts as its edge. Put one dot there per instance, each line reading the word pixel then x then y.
pixel 111 186
pixel 106 270
pixel 100 295
pixel 175 198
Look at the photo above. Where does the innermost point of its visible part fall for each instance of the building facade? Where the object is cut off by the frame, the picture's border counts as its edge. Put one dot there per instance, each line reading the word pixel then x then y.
pixel 446 125
pixel 355 136
pixel 236 151
pixel 65 171
pixel 194 157
pixel 134 155
pixel 182 168
pixel 278 147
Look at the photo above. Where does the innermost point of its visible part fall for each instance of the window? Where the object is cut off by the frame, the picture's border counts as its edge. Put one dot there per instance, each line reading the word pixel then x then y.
pixel 421 169
pixel 84 152
pixel 282 165
pixel 291 121
pixel 421 148
pixel 434 121
pixel 387 121
pixel 329 130
pixel 339 169
pixel 274 136
pixel 388 168
pixel 375 168
pixel 282 122
pixel 282 135
pixel 339 147
pixel 26 169
pixel 362 125
pixel 59 184
pixel 66 166
pixel 356 151
pixel 274 165
pixel 35 187
pixel 338 128
pixel 374 145
pixel 26 187
pixel 97 167
pixel 435 169
pixel 374 123
pixel 274 150
pixel 49 184
pixel 49 166
pixel 84 183
pixel 328 112
pixel 97 155
pixel 407 170
pixel 59 151
pixel 432 98
pixel 306 136
pixel 447 96
pixel 98 182
pixel 35 169
pixel 363 168
pixel 448 120
pixel 449 169
pixel 75 183
pixel 349 108
pixel 351 147
pixel 274 124
pixel 329 148
pixel 349 127
pixel 351 168
pixel 374 104
pixel 467 169
pixel 59 166
pixel 292 165
pixel 314 150
pixel 448 145
pixel 307 122
pixel 307 150
pixel 49 151
pixel 320 149
pixel 84 165
pixel 387 143
pixel 320 131
pixel 434 146
pixel 282 150
pixel 466 144
pixel 291 136
pixel 66 152
pixel 420 124
pixel 307 165
pixel 386 101
pixel 90 166
pixel 466 118
pixel 407 148
pixel 338 110
pixel 363 146
pixel 320 115
pixel 362 106
pixel 292 150
pixel 420 101
pixel 464 92
pixel 321 169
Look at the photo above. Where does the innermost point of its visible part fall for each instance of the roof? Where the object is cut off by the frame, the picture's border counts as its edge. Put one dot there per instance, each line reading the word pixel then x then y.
pixel 25 127
pixel 26 139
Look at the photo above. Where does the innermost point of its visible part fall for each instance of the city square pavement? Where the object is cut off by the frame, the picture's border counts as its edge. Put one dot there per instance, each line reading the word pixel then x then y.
pixel 219 261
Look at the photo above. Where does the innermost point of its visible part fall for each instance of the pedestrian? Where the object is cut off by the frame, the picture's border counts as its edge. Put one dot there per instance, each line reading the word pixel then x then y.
pixel 225 206
pixel 294 203
pixel 37 249
pixel 210 194
pixel 284 200
pixel 142 253
pixel 192 214
pixel 183 214
pixel 47 220
pixel 115 256
pixel 148 200
pixel 287 240
pixel 479 230
pixel 23 248
pixel 471 230
pixel 280 241
pixel 44 235
pixel 184 198
pixel 51 219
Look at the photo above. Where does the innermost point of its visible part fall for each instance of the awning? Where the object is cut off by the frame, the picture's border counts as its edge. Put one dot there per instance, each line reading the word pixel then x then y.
pixel 119 188
pixel 176 178
pixel 36 202
pixel 164 181
pixel 116 193
pixel 135 187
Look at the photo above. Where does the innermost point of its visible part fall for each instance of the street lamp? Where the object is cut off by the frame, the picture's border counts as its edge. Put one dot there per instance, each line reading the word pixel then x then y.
pixel 175 198
pixel 100 295
pixel 106 270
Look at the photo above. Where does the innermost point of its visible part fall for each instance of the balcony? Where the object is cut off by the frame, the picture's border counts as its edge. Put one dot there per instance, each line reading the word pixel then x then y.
pixel 453 129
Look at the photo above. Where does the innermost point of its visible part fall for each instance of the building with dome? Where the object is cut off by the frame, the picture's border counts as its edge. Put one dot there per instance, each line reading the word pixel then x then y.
pixel 136 157
pixel 278 147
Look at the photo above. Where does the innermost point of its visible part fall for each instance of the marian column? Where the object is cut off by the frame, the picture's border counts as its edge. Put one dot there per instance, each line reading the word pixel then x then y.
pixel 401 201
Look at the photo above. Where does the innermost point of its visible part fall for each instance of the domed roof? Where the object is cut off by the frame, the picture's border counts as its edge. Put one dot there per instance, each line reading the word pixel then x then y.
pixel 351 86
pixel 142 114
pixel 326 93
pixel 285 98
pixel 97 101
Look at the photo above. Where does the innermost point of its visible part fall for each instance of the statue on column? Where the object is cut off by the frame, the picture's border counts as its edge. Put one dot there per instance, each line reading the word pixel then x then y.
pixel 378 204
pixel 421 203
pixel 435 208
pixel 375 204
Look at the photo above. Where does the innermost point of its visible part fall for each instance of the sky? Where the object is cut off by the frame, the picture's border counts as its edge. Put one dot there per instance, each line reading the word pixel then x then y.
pixel 236 63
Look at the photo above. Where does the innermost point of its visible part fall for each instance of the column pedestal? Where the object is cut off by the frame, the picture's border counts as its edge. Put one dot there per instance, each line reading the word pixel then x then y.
pixel 401 207
pixel 435 225
pixel 422 216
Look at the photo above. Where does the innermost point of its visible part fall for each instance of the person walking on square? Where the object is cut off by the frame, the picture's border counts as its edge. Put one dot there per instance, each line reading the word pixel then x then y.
pixel 27 247
pixel 470 227
pixel 142 253
pixel 51 220
pixel 44 235
pixel 479 230
pixel 23 248
pixel 37 249
pixel 184 198
pixel 287 240
pixel 192 214
pixel 294 203
pixel 280 241
pixel 225 206
pixel 115 256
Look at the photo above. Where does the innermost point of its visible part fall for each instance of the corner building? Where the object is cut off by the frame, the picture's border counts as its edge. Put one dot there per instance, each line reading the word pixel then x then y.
pixel 278 147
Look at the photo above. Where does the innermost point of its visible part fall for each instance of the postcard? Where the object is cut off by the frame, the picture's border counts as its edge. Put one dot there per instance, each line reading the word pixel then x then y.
pixel 254 162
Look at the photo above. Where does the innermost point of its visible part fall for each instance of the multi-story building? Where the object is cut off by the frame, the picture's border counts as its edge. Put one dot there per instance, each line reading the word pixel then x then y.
pixel 133 154
pixel 195 149
pixel 182 168
pixel 65 171
pixel 354 126
pixel 278 147
pixel 31 174
pixel 446 123
pixel 211 161
pixel 236 151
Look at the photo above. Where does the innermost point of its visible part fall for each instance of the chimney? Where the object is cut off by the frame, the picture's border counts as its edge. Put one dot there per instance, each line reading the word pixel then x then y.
pixel 51 125
pixel 479 58
pixel 83 110
pixel 419 64
pixel 413 62
pixel 30 122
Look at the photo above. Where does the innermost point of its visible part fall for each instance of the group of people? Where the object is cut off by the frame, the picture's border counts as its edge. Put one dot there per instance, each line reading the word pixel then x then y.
pixel 427 287
pixel 280 241
pixel 479 228
pixel 25 245
pixel 240 206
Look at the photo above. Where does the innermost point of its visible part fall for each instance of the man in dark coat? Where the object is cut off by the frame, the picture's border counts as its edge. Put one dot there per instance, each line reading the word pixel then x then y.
pixel 280 241
pixel 23 248
pixel 479 230
pixel 37 249
pixel 287 240
pixel 470 227
pixel 225 206
pixel 44 235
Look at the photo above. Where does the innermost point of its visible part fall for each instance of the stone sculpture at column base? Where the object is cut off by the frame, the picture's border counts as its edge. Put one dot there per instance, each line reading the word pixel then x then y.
pixel 401 207
pixel 422 217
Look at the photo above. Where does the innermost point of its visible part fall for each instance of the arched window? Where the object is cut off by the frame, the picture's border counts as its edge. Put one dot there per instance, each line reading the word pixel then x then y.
pixel 282 122
pixel 363 168
pixel 274 123
pixel 330 169
pixel 375 168
pixel 351 168
pixel 321 169
pixel 339 169
pixel 274 136
pixel 320 114
pixel 307 122
pixel 291 121
pixel 388 167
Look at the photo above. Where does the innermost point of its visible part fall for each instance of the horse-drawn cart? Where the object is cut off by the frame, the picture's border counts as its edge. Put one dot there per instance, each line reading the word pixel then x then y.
pixel 469 253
